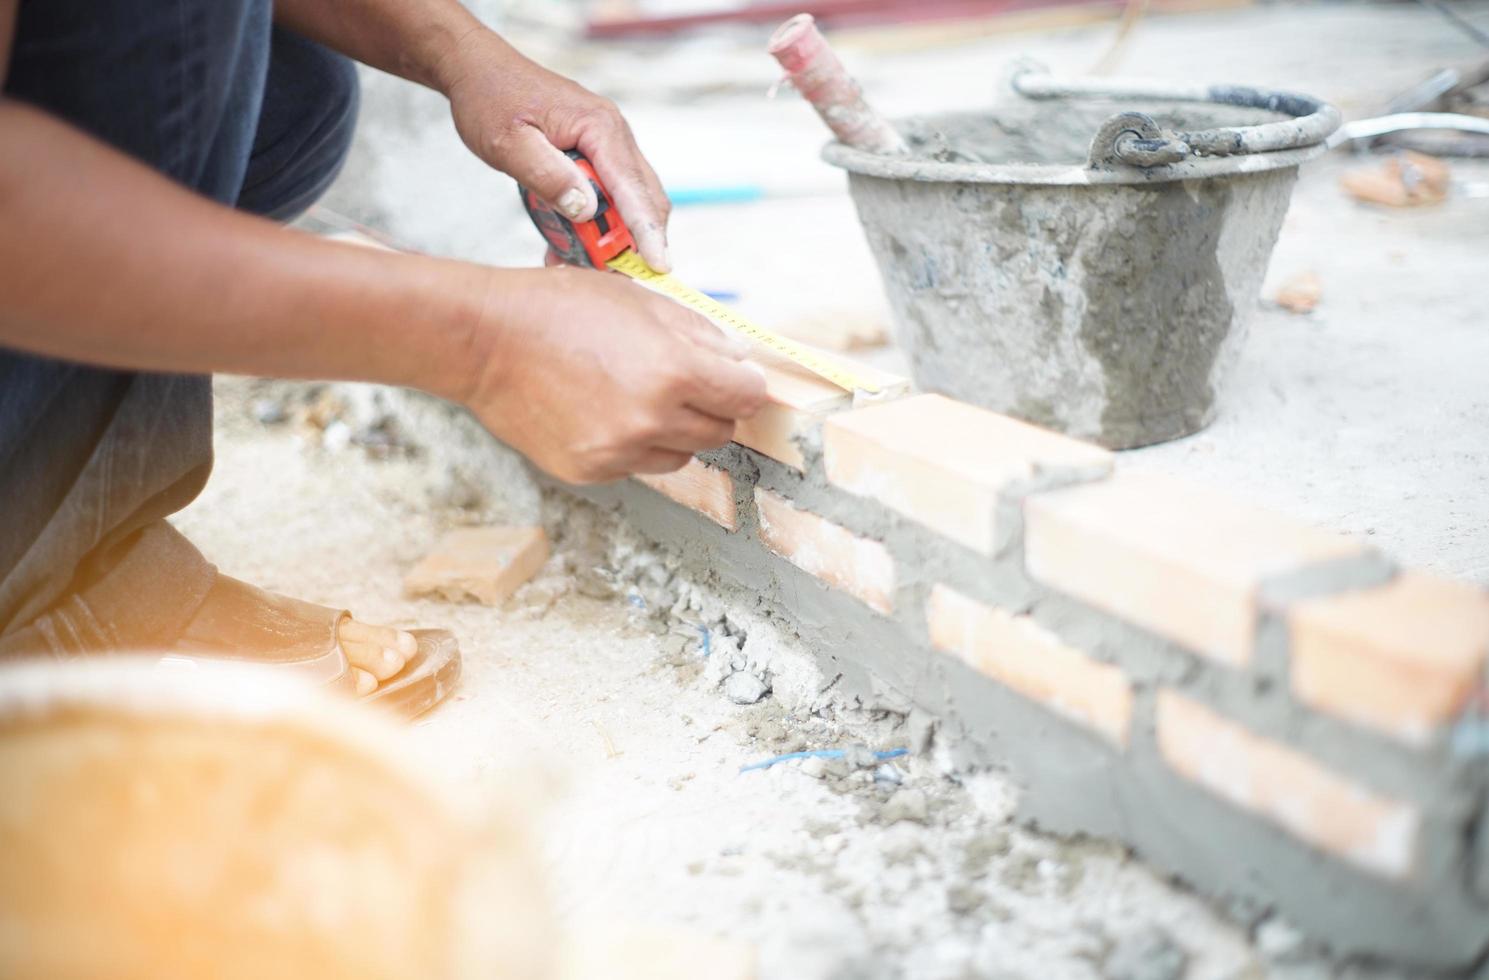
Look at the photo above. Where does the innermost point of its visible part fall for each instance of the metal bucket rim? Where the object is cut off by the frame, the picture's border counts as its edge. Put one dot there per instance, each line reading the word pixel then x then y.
pixel 936 172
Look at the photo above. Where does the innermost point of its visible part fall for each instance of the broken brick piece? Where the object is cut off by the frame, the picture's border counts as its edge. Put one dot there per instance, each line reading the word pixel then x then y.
pixel 487 564
pixel 1300 294
pixel 1405 179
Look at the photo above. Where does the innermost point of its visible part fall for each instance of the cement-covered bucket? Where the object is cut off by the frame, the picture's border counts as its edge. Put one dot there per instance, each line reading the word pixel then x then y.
pixel 1072 262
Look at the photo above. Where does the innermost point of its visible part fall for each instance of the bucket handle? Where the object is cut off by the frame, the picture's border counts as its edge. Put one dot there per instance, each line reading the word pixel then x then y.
pixel 1133 138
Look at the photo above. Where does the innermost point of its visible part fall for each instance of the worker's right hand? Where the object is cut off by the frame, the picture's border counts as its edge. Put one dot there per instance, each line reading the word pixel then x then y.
pixel 594 377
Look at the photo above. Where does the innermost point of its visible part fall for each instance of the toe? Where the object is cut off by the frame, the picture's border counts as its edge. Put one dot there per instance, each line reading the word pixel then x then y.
pixel 366 683
pixel 379 661
pixel 352 631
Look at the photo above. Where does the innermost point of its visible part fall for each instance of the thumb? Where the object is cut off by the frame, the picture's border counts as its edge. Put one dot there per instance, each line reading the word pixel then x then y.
pixel 709 336
pixel 547 171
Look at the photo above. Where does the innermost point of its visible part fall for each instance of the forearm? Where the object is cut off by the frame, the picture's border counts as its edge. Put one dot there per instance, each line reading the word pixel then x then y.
pixel 420 40
pixel 105 262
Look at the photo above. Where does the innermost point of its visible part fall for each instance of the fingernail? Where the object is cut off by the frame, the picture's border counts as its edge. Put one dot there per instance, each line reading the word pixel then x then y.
pixel 392 659
pixel 366 683
pixel 407 645
pixel 572 203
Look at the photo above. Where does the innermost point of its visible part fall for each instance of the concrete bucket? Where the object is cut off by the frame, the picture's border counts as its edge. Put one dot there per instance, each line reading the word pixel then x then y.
pixel 1067 260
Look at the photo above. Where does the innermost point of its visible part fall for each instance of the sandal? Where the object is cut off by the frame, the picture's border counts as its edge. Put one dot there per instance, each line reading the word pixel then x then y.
pixel 238 621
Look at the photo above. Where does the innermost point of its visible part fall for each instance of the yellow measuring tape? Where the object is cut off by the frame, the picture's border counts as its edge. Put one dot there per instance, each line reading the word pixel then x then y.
pixel 631 264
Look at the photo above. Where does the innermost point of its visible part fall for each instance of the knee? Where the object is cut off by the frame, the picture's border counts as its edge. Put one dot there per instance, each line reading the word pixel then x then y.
pixel 335 108
pixel 305 128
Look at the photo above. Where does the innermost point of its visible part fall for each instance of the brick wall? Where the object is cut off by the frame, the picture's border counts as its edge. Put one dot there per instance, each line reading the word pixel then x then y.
pixel 1273 712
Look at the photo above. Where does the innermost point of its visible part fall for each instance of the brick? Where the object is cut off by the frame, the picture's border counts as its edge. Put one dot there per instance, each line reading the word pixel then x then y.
pixel 943 463
pixel 1018 652
pixel 1285 787
pixel 1176 559
pixel 798 401
pixel 858 566
pixel 706 489
pixel 487 564
pixel 1404 658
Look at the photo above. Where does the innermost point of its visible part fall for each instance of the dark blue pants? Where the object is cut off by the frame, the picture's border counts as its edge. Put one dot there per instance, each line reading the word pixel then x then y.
pixel 210 94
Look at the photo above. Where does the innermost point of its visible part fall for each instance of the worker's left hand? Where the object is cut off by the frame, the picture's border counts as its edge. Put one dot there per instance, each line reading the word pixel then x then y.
pixel 519 117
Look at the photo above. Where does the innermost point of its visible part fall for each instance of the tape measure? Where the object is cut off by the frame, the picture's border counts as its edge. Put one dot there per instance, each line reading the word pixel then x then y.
pixel 604 242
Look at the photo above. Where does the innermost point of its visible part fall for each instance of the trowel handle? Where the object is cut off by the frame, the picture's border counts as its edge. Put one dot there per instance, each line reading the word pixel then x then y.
pixel 815 71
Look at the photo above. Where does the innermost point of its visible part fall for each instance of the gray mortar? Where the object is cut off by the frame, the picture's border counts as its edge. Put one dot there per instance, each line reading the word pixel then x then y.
pixel 1109 309
pixel 1075 782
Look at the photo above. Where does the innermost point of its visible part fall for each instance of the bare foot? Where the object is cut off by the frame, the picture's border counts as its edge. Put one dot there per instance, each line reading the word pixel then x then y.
pixel 376 652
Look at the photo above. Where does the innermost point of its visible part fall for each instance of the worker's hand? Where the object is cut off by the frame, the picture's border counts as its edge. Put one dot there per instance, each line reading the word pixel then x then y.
pixel 520 117
pixel 593 377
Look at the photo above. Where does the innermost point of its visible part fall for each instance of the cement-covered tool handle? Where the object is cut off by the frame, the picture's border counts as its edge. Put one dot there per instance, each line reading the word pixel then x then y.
pixel 1144 145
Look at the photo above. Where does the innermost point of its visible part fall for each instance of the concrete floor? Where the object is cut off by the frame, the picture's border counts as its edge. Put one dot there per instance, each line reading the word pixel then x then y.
pixel 1369 416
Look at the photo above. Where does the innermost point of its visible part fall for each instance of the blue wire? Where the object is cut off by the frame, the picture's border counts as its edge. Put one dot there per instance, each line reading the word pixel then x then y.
pixel 682 197
pixel 819 754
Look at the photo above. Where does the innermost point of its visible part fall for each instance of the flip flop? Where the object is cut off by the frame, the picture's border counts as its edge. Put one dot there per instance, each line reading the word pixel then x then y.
pixel 238 621
pixel 241 622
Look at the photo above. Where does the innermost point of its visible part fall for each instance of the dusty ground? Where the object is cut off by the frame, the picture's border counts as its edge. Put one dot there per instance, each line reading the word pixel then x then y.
pixel 1369 416
pixel 652 821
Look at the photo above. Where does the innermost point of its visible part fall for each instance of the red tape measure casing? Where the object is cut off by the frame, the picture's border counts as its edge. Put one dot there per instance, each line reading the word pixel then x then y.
pixel 585 243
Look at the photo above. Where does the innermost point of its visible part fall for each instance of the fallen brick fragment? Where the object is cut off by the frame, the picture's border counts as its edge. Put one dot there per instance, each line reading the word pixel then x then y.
pixel 1300 294
pixel 486 564
pixel 1405 179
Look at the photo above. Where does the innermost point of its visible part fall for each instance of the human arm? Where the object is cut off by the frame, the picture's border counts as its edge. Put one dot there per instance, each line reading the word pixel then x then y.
pixel 512 113
pixel 106 262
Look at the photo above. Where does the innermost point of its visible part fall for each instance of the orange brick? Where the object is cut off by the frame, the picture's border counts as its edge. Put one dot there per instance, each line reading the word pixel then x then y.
pixel 1018 652
pixel 858 566
pixel 943 463
pixel 1174 558
pixel 1287 788
pixel 706 489
pixel 798 401
pixel 484 563
pixel 1402 658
